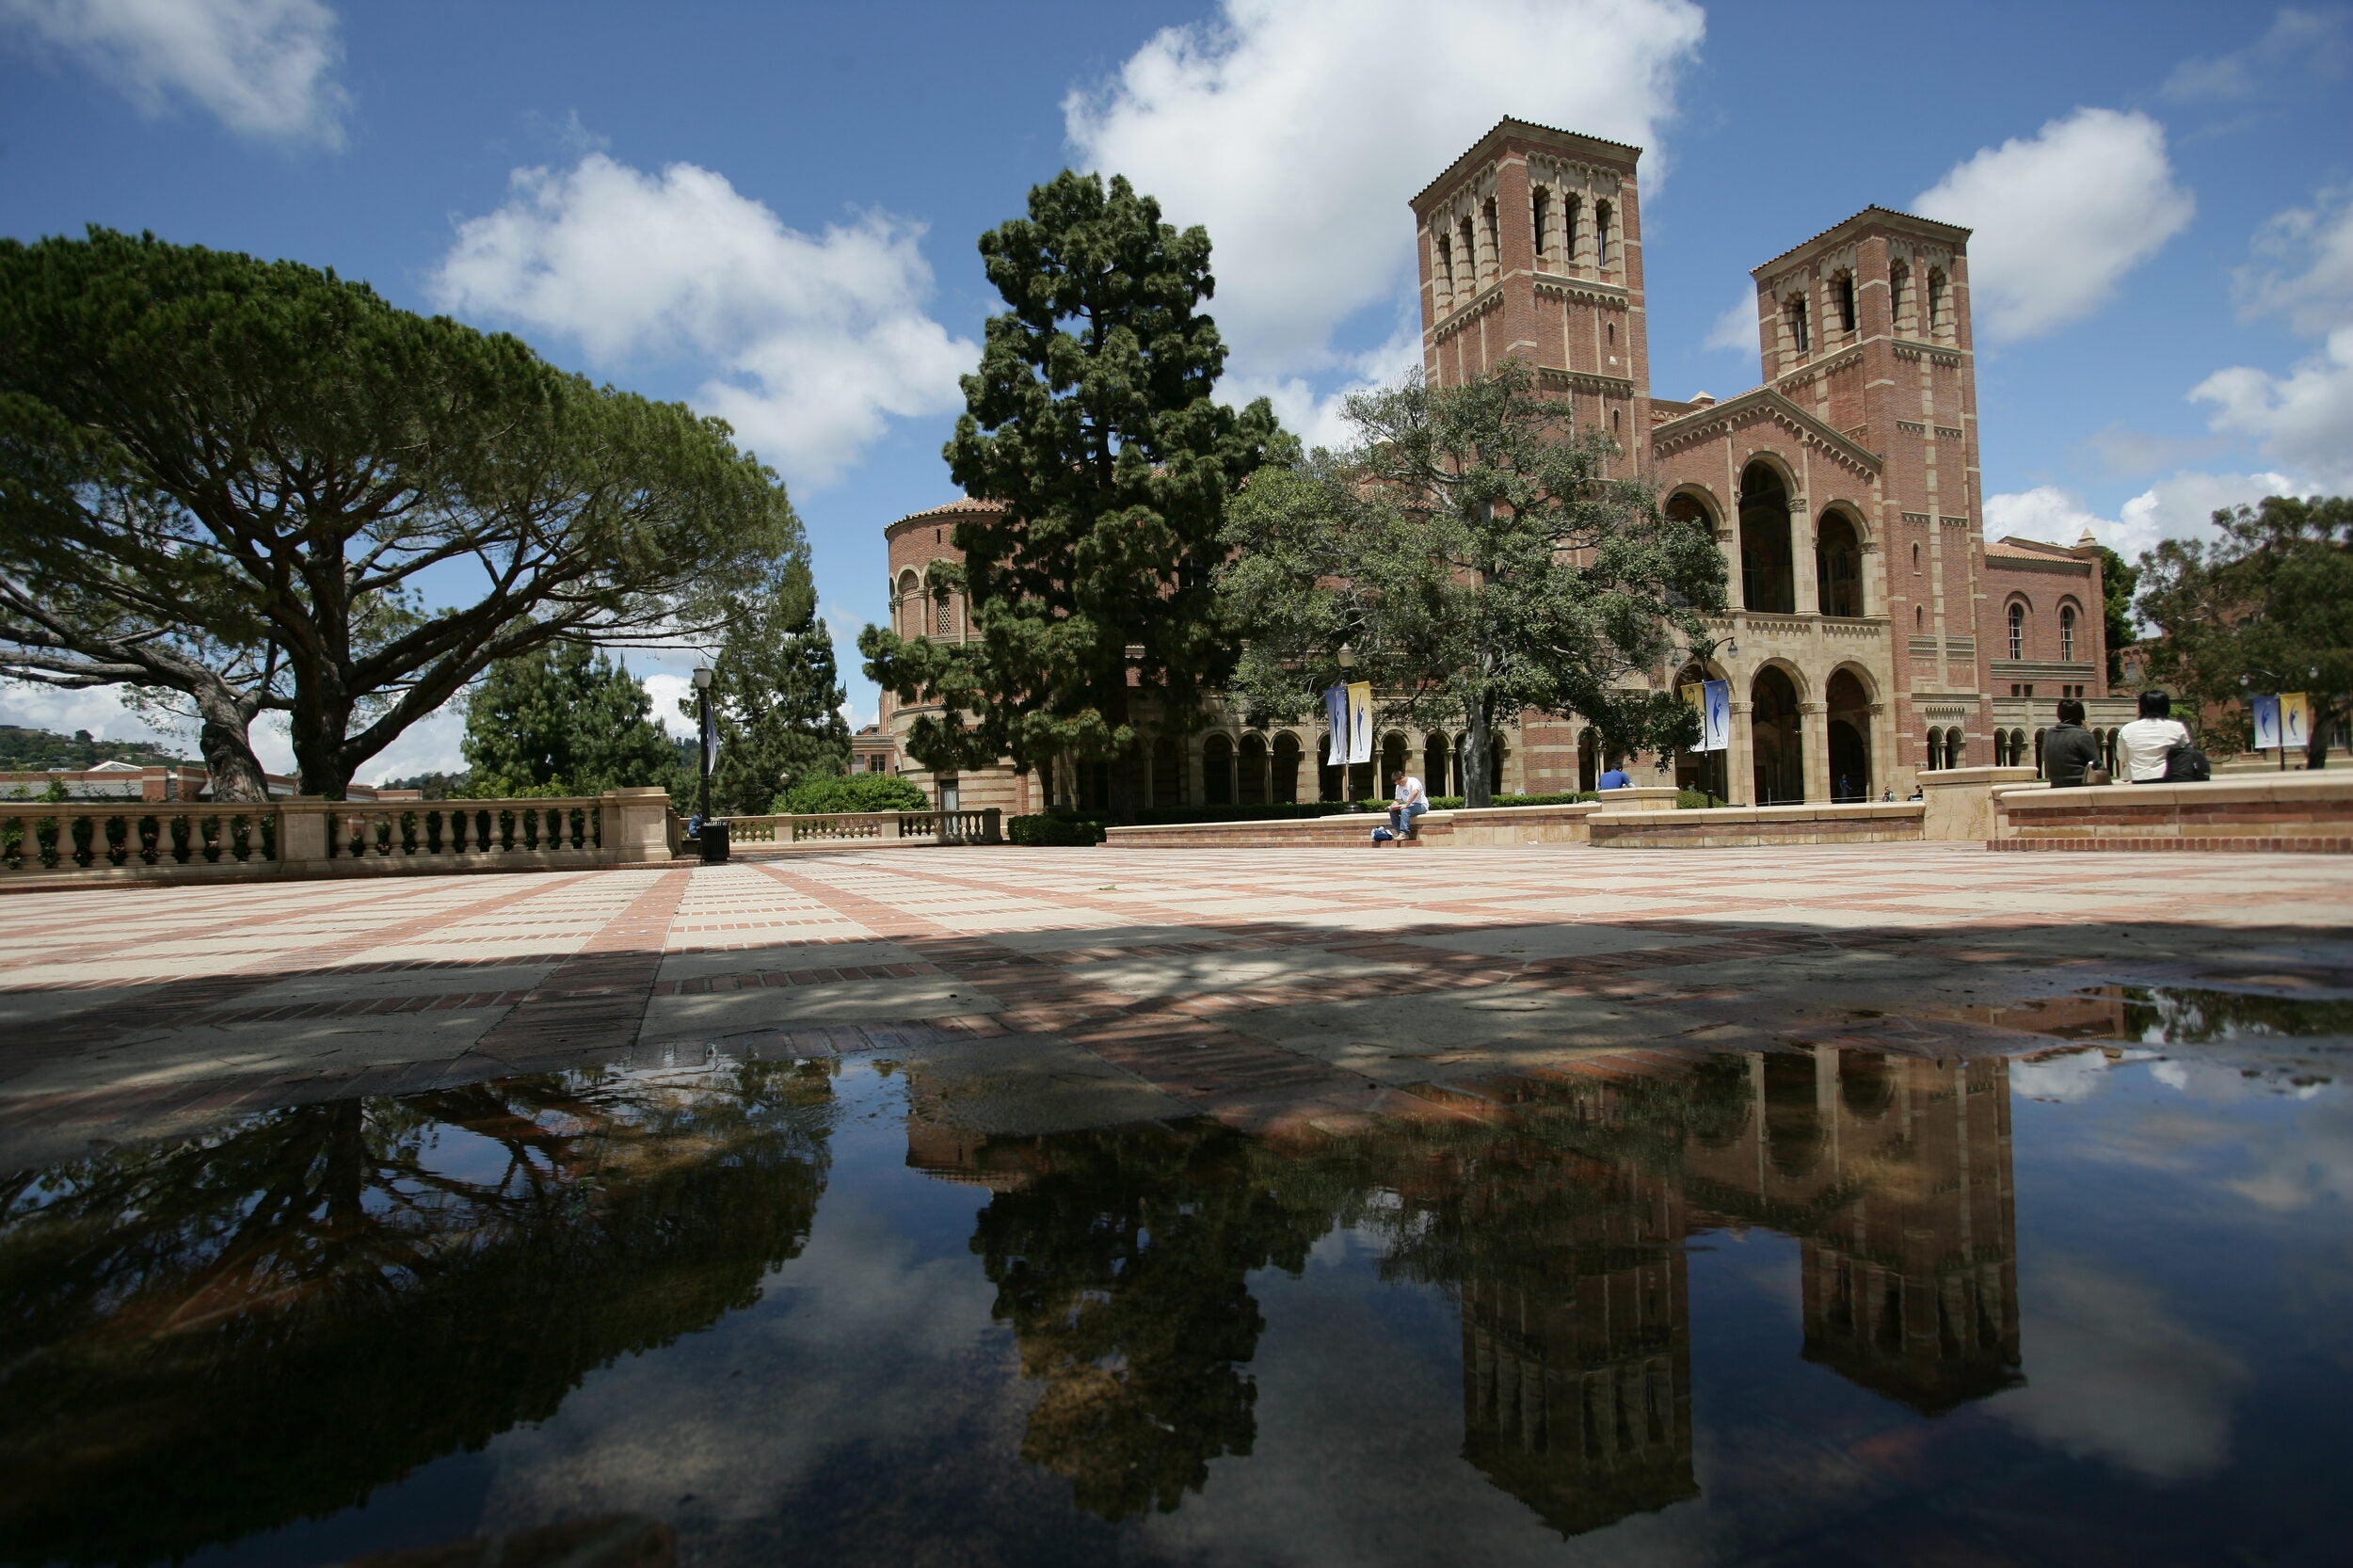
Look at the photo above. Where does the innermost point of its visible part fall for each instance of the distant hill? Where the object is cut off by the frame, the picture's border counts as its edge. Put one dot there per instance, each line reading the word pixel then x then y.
pixel 23 748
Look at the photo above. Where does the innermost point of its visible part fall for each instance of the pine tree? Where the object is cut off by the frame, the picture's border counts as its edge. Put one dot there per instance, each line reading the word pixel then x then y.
pixel 563 720
pixel 775 699
pixel 1091 421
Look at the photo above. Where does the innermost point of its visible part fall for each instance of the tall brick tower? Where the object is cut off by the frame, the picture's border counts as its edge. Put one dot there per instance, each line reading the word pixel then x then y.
pixel 1531 246
pixel 1866 328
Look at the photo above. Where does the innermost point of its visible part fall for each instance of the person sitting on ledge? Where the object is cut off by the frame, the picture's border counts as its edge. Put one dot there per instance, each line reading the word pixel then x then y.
pixel 1617 777
pixel 2141 745
pixel 2069 748
pixel 1411 800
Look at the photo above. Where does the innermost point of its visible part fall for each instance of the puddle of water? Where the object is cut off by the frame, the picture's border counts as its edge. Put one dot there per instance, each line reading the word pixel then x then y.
pixel 1812 1307
pixel 2174 1015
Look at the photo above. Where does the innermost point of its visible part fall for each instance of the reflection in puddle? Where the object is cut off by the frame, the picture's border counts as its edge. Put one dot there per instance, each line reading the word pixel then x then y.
pixel 1702 1306
pixel 2174 1016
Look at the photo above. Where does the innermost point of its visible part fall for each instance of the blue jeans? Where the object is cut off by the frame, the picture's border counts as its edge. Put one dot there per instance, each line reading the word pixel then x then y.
pixel 1401 817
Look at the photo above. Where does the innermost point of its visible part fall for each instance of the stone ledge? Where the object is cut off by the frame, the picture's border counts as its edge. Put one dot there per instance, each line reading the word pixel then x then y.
pixel 1748 826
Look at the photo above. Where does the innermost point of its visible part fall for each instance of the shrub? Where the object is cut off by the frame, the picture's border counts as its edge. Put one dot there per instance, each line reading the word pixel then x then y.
pixel 1695 800
pixel 1053 831
pixel 825 793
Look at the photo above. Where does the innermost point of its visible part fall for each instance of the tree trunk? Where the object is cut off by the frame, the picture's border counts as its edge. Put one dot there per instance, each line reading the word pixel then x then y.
pixel 1477 786
pixel 318 732
pixel 2324 725
pixel 226 750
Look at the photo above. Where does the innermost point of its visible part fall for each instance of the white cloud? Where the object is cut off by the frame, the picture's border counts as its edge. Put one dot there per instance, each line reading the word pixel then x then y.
pixel 1295 129
pixel 2114 1375
pixel 1735 331
pixel 811 343
pixel 2181 507
pixel 2060 217
pixel 667 692
pixel 2320 42
pixel 265 68
pixel 2303 270
pixel 1319 418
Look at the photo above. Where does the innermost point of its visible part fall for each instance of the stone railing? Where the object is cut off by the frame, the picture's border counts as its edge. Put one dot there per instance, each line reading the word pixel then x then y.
pixel 936 827
pixel 45 841
pixel 2311 813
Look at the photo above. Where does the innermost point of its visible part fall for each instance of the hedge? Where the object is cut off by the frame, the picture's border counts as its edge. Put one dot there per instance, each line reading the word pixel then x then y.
pixel 1053 831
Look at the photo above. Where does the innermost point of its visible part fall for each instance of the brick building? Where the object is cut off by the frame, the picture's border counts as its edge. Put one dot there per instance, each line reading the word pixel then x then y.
pixel 1872 632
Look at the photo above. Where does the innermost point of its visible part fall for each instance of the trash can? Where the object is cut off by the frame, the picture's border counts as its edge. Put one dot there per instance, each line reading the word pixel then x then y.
pixel 714 842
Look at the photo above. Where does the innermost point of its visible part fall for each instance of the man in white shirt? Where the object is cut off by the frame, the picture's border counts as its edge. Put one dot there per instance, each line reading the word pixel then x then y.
pixel 1412 800
pixel 2141 745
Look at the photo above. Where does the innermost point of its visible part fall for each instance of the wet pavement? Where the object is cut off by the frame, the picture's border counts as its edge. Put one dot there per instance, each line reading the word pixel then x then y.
pixel 1024 1206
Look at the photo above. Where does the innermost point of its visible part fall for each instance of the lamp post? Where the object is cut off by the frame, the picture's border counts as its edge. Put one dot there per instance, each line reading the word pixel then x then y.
pixel 703 754
pixel 1347 657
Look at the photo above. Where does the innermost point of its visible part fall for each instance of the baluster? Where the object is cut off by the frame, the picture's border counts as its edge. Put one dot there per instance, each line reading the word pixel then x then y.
pixel 45 834
pixel 151 840
pixel 209 828
pixel 270 835
pixel 433 832
pixel 82 827
pixel 181 849
pixel 118 841
pixel 408 834
pixel 240 838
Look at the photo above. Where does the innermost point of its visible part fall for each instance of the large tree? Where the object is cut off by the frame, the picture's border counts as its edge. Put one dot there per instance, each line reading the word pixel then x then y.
pixel 261 488
pixel 2266 607
pixel 1474 549
pixel 1091 419
pixel 776 698
pixel 2119 578
pixel 563 720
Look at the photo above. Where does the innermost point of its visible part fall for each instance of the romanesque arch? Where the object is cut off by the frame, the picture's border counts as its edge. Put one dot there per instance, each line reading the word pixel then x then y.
pixel 1394 752
pixel 1588 759
pixel 1794 1134
pixel 1434 762
pixel 1217 771
pixel 1251 766
pixel 1838 564
pixel 1282 783
pixel 1846 712
pixel 1768 576
pixel 1774 739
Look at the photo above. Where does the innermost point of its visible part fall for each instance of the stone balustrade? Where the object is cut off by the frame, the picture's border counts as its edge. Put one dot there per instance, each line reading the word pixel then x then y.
pixel 2309 812
pixel 50 842
pixel 984 826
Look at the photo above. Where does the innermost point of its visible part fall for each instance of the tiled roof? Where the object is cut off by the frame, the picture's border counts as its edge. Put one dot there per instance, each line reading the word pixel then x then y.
pixel 2029 550
pixel 964 506
pixel 1873 210
pixel 1480 140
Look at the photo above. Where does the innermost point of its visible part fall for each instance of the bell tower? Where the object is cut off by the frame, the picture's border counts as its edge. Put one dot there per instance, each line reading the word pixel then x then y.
pixel 1531 247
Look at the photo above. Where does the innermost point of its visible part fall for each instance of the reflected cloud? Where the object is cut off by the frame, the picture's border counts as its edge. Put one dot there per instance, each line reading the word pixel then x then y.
pixel 2118 1377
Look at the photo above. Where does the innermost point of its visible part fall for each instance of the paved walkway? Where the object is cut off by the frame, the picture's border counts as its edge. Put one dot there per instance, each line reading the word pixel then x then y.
pixel 1063 987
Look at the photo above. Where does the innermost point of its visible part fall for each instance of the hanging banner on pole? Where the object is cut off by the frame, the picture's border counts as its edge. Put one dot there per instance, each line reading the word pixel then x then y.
pixel 1335 715
pixel 2295 720
pixel 1360 721
pixel 2267 709
pixel 1716 715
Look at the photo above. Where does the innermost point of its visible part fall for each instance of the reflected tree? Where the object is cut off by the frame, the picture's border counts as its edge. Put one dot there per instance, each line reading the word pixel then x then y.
pixel 1122 1270
pixel 211 1338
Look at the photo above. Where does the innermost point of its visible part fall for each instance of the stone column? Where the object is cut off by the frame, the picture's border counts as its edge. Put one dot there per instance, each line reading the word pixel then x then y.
pixel 1809 598
pixel 635 824
pixel 301 833
pixel 1740 761
pixel 1814 742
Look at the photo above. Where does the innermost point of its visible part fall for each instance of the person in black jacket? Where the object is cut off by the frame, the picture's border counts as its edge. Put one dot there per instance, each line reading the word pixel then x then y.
pixel 2069 748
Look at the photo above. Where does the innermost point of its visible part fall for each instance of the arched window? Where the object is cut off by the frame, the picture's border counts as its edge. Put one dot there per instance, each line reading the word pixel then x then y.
pixel 1920 617
pixel 1842 289
pixel 1956 748
pixel 1938 324
pixel 1434 764
pixel 1601 233
pixel 1768 576
pixel 1539 219
pixel 1466 246
pixel 1494 254
pixel 1571 210
pixel 1443 273
pixel 1774 739
pixel 911 605
pixel 1898 295
pixel 1798 340
pixel 2017 631
pixel 1936 748
pixel 1217 771
pixel 2066 632
pixel 1837 565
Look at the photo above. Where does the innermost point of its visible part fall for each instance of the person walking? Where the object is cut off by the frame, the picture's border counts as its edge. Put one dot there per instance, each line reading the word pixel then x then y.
pixel 2069 748
pixel 2141 745
pixel 1409 800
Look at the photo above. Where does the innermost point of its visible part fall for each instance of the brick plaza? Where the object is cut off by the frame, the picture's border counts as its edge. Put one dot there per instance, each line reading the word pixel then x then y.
pixel 1071 987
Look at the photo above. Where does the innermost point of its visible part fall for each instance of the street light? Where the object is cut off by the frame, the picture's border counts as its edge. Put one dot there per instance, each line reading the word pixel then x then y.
pixel 1347 656
pixel 702 692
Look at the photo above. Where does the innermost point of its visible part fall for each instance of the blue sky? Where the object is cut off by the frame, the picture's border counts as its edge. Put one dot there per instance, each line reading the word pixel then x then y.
pixel 769 210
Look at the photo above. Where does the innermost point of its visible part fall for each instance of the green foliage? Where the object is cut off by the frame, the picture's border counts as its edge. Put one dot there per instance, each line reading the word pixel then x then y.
pixel 22 747
pixel 1052 831
pixel 776 697
pixel 1696 800
pixel 2118 580
pixel 824 793
pixel 2267 607
pixel 1474 549
pixel 436 786
pixel 1090 419
pixel 223 480
pixel 563 721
